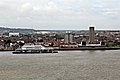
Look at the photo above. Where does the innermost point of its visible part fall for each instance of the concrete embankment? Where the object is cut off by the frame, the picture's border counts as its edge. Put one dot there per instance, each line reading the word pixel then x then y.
pixel 7 50
pixel 80 48
pixel 87 48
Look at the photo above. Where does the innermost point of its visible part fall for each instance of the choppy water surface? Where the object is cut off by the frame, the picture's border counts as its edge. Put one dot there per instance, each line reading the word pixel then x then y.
pixel 65 65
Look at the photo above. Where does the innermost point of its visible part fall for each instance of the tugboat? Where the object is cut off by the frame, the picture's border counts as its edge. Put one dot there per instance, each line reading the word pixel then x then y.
pixel 34 49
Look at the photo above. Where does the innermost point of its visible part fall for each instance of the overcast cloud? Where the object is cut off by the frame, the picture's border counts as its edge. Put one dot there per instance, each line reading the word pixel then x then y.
pixel 60 14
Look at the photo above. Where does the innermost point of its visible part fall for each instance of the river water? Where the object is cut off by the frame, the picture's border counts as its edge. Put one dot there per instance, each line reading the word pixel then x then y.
pixel 65 65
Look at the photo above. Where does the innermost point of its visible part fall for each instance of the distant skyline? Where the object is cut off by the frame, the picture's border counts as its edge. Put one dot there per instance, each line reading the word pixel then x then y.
pixel 60 14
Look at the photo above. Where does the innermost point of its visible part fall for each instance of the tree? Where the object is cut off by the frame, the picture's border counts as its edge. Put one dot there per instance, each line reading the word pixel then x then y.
pixel 7 42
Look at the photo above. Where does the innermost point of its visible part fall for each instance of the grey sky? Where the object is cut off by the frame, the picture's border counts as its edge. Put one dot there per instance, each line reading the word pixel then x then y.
pixel 60 14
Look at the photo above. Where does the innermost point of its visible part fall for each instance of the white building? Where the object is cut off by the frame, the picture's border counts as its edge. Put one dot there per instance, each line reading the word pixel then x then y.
pixel 14 34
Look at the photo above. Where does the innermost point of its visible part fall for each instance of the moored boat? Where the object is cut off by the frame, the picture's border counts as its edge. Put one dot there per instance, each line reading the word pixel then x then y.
pixel 34 49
